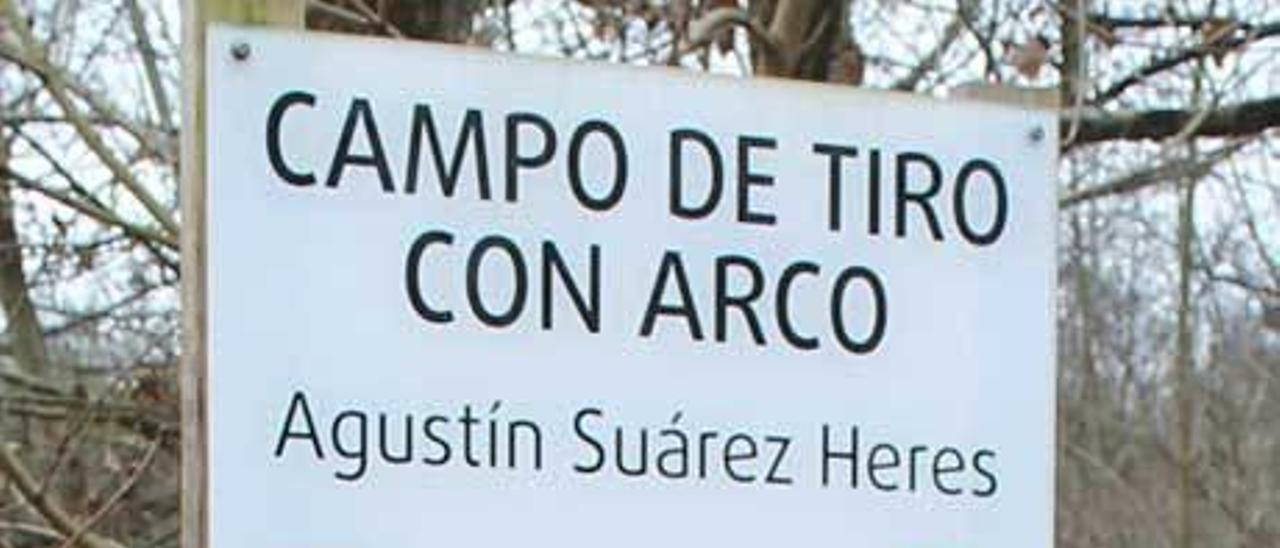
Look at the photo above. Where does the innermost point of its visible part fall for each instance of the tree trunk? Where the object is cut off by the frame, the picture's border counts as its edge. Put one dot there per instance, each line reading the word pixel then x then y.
pixel 803 36
pixel 22 324
pixel 1184 359
pixel 435 20
pixel 438 20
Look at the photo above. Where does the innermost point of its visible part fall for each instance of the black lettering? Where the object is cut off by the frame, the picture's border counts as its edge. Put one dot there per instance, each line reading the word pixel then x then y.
pixel 783 305
pixel 435 439
pixel 619 185
pixel 299 403
pixel 360 114
pixel 873 194
pixel 532 428
pixel 704 439
pixel 596 448
pixel 642 453
pixel 875 465
pixel 783 443
pixel 407 454
pixel 942 469
pixel 413 280
pixel 274 152
pixel 879 317
pixel 588 308
pixel 913 456
pixel 359 453
pixel 748 179
pixel 476 260
pixel 921 198
pixel 671 263
pixel 715 186
pixel 835 153
pixel 851 455
pixel 742 301
pixel 1002 202
pixel 470 135
pixel 986 473
pixel 748 453
pixel 468 421
pixel 515 159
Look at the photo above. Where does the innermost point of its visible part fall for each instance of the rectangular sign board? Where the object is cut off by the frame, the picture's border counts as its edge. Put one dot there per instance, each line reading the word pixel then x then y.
pixel 464 298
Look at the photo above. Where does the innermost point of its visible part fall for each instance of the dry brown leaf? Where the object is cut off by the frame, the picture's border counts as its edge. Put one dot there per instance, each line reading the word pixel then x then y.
pixel 1213 32
pixel 86 258
pixel 1030 56
pixel 149 388
pixel 1105 35
pixel 849 66
pixel 1215 29
pixel 1271 317
pixel 602 29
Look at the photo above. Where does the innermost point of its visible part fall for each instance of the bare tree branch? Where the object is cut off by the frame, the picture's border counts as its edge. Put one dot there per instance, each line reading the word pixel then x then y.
pixel 1147 177
pixel 93 211
pixel 58 90
pixel 1199 51
pixel 29 489
pixel 15 291
pixel 930 61
pixel 150 62
pixel 157 144
pixel 1240 119
pixel 139 468
pixel 704 30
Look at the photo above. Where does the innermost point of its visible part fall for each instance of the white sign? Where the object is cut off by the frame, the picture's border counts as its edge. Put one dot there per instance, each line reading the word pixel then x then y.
pixel 459 298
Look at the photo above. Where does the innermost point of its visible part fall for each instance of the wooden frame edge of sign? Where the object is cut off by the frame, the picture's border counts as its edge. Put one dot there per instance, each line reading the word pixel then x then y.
pixel 1040 98
pixel 196 17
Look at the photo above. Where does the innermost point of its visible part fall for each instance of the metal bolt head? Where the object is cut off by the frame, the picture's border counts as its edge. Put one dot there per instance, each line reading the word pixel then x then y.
pixel 1036 134
pixel 240 51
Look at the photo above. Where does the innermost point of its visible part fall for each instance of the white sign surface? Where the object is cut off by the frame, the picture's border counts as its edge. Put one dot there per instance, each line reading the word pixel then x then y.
pixel 458 298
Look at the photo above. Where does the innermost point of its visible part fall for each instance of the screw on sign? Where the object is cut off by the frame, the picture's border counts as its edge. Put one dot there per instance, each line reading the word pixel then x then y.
pixel 240 51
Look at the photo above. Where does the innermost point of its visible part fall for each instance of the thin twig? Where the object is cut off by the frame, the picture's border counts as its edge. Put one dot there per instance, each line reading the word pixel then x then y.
pixel 376 18
pixel 934 57
pixel 139 469
pixel 151 67
pixel 43 504
pixel 1147 177
pixel 57 89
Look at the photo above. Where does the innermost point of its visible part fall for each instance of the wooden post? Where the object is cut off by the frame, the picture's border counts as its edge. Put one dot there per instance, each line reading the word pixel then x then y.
pixel 197 15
